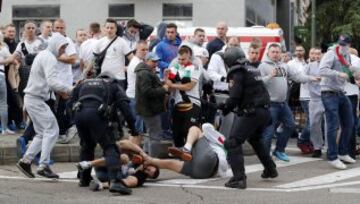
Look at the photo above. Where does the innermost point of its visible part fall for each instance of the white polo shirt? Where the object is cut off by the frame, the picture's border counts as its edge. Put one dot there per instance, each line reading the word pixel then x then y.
pixel 114 61
pixel 131 76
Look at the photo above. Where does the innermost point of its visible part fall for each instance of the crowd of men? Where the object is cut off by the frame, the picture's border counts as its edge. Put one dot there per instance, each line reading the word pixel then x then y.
pixel 170 89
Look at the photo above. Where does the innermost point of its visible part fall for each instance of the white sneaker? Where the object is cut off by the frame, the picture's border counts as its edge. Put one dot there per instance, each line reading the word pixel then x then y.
pixel 8 132
pixel 337 164
pixel 347 159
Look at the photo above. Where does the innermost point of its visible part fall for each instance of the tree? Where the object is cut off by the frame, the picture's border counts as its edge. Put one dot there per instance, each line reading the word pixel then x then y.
pixel 335 17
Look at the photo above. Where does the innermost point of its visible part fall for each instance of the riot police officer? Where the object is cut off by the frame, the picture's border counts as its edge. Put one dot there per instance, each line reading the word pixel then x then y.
pixel 98 104
pixel 249 99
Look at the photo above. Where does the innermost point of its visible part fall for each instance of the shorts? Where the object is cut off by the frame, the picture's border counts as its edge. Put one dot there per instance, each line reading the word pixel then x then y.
pixel 204 163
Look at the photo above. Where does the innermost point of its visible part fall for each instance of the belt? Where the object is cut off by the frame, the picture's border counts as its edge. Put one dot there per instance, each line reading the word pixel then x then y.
pixel 2 71
pixel 332 93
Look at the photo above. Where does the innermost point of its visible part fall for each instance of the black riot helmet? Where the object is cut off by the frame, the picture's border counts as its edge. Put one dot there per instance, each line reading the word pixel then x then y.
pixel 233 56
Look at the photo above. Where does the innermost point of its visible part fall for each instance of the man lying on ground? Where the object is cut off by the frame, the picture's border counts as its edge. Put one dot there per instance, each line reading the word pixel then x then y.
pixel 136 173
pixel 203 155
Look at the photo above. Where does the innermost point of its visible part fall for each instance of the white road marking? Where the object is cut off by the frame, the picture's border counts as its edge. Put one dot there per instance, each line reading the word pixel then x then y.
pixel 198 186
pixel 323 179
pixel 345 190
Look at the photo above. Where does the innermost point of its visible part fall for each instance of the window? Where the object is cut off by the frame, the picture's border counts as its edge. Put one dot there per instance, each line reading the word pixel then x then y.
pixel 122 11
pixel 37 14
pixel 181 14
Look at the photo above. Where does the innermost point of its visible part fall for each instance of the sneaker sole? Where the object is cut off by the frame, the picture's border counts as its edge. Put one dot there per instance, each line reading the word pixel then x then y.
pixel 42 176
pixel 122 192
pixel 180 154
pixel 24 172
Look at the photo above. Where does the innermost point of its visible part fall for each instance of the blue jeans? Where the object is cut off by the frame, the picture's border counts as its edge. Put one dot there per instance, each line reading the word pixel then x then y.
pixel 352 143
pixel 337 110
pixel 305 133
pixel 280 112
pixel 139 122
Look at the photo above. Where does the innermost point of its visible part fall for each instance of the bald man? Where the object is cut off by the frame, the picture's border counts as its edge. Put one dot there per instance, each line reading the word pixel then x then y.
pixel 220 40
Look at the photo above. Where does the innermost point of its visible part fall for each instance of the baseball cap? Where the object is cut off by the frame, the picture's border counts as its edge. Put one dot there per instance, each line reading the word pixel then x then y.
pixel 344 39
pixel 151 56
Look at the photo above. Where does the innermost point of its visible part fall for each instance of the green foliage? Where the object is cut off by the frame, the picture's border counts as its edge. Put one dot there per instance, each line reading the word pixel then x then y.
pixel 334 17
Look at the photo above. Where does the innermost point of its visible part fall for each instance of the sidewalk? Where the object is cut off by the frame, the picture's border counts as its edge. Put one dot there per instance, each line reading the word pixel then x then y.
pixel 61 152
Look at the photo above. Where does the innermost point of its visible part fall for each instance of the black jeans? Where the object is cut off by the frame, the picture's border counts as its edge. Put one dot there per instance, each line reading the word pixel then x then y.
pixel 249 128
pixel 182 121
pixel 94 129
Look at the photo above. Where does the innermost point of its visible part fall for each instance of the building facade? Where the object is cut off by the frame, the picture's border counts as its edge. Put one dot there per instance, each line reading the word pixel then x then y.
pixel 80 13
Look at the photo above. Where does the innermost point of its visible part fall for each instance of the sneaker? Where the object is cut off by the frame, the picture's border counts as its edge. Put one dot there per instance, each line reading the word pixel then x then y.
pixel 20 147
pixel 281 156
pixel 269 173
pixel 95 185
pixel 317 153
pixel 119 187
pixel 61 139
pixel 8 132
pixel 71 133
pixel 337 164
pixel 81 166
pixel 304 148
pixel 25 169
pixel 182 153
pixel 347 159
pixel 47 173
pixel 236 183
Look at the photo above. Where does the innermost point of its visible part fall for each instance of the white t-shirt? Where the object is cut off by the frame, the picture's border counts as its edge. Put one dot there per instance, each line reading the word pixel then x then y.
pixel 33 47
pixel 4 53
pixel 300 65
pixel 65 70
pixel 114 61
pixel 131 76
pixel 87 49
pixel 352 89
pixel 193 72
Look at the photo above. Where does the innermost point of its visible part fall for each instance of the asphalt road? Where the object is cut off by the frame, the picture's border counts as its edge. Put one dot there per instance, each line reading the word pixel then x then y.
pixel 302 180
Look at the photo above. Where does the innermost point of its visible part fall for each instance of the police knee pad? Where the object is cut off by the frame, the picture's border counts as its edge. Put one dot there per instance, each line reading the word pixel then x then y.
pixel 233 146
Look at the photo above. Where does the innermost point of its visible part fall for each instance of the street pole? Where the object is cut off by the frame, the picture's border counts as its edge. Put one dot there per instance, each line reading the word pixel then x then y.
pixel 313 33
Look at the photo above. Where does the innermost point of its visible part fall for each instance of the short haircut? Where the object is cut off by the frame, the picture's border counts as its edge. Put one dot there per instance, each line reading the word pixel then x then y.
pixel 111 20
pixel 76 33
pixel 9 25
pixel 141 42
pixel 156 173
pixel 59 20
pixel 171 25
pixel 185 49
pixel 275 45
pixel 94 27
pixel 199 30
pixel 133 23
pixel 29 21
pixel 43 22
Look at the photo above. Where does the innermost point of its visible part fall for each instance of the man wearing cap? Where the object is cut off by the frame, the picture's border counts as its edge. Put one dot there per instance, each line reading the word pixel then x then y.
pixel 336 70
pixel 150 97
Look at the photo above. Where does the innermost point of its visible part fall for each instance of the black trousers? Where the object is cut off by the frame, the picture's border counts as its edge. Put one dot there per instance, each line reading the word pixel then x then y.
pixel 249 127
pixel 182 121
pixel 94 130
pixel 62 117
